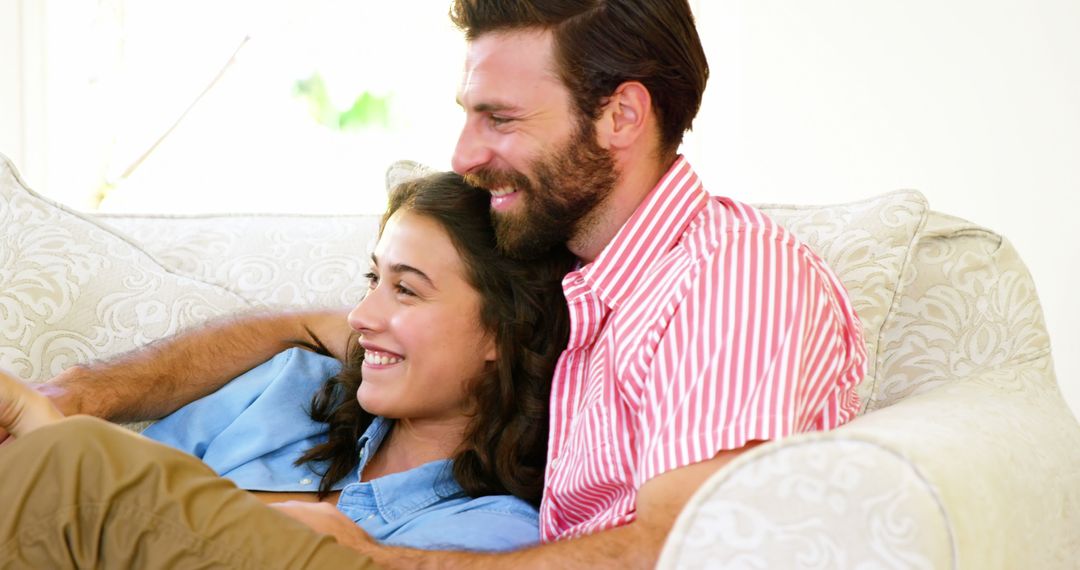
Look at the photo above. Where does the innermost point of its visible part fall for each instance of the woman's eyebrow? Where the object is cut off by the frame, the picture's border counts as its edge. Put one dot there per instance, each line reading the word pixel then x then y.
pixel 404 268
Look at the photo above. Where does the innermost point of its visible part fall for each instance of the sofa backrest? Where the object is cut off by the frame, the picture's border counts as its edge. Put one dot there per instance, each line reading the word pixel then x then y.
pixel 939 297
pixel 73 290
pixel 272 260
pixel 968 306
pixel 868 244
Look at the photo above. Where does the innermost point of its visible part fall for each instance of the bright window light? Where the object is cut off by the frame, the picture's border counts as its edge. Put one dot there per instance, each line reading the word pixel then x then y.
pixel 244 106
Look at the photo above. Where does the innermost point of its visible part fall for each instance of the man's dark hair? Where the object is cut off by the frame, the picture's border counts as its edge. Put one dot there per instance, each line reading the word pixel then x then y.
pixel 600 44
pixel 522 308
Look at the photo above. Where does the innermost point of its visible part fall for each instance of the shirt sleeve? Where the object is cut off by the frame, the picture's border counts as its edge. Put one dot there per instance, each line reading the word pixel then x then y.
pixel 764 344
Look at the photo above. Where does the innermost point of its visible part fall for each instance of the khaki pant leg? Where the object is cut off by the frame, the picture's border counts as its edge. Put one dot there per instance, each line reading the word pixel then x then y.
pixel 87 494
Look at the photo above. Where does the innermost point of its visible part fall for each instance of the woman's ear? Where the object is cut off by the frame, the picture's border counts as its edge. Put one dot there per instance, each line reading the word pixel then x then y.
pixel 490 352
pixel 625 118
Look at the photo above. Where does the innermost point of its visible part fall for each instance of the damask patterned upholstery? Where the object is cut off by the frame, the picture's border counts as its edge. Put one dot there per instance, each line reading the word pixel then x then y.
pixel 72 289
pixel 868 244
pixel 967 458
pixel 966 455
pixel 270 260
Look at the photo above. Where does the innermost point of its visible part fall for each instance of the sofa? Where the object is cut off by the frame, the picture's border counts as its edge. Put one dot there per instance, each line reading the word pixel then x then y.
pixel 965 454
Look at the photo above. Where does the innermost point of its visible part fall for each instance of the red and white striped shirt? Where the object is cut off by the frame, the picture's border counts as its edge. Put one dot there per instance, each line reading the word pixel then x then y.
pixel 701 326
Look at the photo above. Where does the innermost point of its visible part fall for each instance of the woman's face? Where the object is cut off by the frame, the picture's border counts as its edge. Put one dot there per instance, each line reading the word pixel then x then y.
pixel 419 325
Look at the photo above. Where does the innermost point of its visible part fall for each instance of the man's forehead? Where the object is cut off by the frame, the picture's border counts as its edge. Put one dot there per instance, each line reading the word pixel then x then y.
pixel 506 62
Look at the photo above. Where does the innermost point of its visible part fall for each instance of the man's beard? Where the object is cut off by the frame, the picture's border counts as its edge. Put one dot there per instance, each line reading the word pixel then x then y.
pixel 570 183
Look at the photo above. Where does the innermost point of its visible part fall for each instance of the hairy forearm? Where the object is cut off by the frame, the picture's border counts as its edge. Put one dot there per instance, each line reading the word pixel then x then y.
pixel 155 380
pixel 635 545
pixel 627 547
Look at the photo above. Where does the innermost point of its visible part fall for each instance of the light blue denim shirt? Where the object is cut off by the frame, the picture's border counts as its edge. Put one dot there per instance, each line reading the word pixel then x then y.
pixel 425 507
pixel 254 428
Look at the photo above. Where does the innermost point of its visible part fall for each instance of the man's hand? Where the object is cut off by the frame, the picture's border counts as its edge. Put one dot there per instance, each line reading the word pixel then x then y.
pixel 22 409
pixel 634 545
pixel 325 518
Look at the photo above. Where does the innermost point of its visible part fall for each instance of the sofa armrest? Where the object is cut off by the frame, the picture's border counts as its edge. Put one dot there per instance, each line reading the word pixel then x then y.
pixel 983 473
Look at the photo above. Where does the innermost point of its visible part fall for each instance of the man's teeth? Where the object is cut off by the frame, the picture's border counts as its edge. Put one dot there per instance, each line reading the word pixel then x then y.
pixel 380 359
pixel 498 192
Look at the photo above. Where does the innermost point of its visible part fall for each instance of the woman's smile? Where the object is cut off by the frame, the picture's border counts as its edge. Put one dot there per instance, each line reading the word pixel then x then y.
pixel 377 357
pixel 381 359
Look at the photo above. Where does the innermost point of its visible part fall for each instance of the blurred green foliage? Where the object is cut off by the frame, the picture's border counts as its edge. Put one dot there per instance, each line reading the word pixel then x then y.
pixel 366 111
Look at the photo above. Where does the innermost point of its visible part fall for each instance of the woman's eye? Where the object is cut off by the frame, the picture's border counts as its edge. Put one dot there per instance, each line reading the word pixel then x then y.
pixel 402 289
pixel 372 279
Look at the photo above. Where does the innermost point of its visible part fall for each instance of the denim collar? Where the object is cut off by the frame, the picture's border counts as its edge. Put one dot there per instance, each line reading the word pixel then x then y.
pixel 401 494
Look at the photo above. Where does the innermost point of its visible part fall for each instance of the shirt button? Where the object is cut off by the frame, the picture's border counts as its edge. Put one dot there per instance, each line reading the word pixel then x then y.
pixel 305 481
pixel 371 516
pixel 555 462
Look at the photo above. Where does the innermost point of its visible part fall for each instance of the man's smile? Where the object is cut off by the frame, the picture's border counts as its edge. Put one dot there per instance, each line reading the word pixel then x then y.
pixel 503 197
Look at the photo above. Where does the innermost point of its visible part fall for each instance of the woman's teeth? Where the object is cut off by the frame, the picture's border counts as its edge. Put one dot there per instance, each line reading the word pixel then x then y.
pixel 380 359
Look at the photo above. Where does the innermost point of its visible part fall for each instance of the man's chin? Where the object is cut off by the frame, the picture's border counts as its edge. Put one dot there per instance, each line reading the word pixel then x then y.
pixel 524 250
pixel 517 242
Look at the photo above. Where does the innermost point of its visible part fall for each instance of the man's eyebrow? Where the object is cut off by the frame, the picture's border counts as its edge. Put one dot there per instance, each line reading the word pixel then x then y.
pixel 488 107
pixel 404 268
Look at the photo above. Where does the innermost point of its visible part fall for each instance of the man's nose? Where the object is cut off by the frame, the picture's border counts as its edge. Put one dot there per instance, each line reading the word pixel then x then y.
pixel 472 150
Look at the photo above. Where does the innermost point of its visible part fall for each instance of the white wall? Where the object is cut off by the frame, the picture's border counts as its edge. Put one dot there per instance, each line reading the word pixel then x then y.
pixel 11 107
pixel 976 103
pixel 22 98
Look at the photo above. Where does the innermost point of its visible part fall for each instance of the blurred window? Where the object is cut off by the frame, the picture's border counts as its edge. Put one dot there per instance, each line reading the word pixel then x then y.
pixel 241 105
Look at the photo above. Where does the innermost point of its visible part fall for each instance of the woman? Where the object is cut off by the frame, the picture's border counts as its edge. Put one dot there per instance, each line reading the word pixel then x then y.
pixel 444 393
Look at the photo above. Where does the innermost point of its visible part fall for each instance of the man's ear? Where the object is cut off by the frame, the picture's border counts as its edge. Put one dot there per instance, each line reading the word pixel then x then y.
pixel 626 116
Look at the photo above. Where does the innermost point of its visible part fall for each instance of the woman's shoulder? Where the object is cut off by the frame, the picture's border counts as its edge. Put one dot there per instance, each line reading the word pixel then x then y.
pixel 508 505
pixel 486 524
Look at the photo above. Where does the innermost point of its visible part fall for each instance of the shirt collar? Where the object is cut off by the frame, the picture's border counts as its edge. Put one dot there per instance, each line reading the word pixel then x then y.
pixel 401 494
pixel 654 229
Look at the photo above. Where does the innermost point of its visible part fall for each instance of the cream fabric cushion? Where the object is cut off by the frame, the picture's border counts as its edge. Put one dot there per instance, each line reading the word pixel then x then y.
pixel 271 260
pixel 868 244
pixel 72 290
pixel 968 457
pixel 968 308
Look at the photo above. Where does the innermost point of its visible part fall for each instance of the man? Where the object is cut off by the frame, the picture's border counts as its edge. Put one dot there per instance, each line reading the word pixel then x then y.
pixel 699 328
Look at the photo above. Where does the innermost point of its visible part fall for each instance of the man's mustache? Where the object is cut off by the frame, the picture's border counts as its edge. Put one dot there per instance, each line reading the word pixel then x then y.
pixel 487 179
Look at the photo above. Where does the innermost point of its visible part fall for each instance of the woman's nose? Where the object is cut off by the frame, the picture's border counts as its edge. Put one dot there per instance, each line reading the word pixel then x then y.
pixel 365 316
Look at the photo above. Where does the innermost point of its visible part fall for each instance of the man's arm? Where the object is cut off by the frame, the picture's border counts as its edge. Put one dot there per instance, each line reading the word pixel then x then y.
pixel 635 545
pixel 155 380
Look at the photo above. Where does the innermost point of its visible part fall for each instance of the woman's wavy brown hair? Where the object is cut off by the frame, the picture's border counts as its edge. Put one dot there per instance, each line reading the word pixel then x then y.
pixel 522 307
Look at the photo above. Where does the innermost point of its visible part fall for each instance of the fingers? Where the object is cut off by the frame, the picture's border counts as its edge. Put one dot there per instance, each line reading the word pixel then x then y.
pixel 22 409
